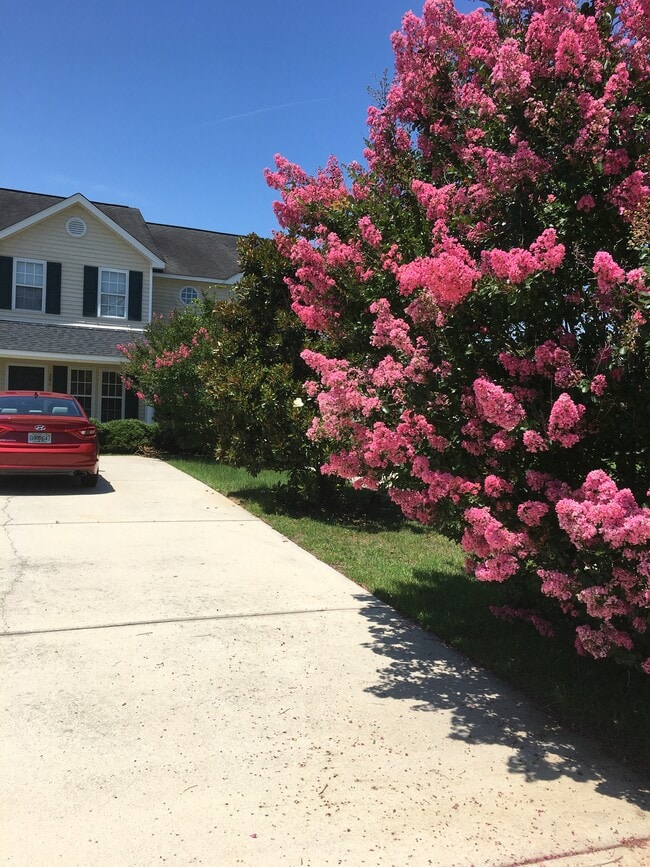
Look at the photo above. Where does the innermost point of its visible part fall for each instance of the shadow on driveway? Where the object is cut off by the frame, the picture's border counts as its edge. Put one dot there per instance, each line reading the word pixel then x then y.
pixel 485 711
pixel 51 486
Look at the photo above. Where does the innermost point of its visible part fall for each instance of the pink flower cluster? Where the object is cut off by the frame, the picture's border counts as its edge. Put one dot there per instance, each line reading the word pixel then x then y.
pixel 170 357
pixel 496 405
pixel 300 191
pixel 499 549
pixel 564 420
pixel 600 642
pixel 598 512
pixel 369 232
pixel 389 331
pixel 517 265
pixel 610 277
pixel 447 277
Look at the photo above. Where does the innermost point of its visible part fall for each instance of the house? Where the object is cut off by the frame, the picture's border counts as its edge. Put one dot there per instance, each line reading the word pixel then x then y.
pixel 78 278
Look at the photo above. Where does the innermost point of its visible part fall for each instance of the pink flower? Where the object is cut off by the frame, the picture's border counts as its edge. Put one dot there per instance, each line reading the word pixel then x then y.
pixel 501 442
pixel 448 277
pixel 563 420
pixel 615 161
pixel 600 642
pixel 630 194
pixel 496 405
pixel 534 442
pixel 607 272
pixel 494 486
pixel 569 57
pixel 531 512
pixel 598 384
pixel 601 604
pixel 558 585
pixel 370 234
pixel 586 203
pixel 511 71
pixel 389 331
pixel 498 568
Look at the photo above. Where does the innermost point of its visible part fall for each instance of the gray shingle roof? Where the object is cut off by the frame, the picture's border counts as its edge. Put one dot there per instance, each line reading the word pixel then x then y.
pixel 64 339
pixel 186 252
pixel 196 252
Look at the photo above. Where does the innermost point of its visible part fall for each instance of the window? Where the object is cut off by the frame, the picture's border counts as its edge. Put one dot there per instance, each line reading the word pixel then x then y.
pixel 112 293
pixel 188 294
pixel 25 378
pixel 38 405
pixel 111 396
pixel 29 282
pixel 81 387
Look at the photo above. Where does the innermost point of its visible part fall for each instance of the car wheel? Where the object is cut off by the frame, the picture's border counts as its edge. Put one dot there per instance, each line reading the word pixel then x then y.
pixel 89 480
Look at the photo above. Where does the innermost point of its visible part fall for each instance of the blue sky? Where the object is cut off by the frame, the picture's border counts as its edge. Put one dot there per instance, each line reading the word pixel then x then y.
pixel 177 108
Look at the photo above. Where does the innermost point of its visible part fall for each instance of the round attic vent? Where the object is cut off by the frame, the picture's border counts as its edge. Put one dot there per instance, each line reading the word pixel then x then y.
pixel 76 227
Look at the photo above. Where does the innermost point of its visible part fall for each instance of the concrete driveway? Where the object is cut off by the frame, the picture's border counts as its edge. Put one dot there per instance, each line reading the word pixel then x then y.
pixel 183 685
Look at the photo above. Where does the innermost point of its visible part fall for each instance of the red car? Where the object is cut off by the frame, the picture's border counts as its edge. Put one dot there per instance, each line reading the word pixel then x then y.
pixel 46 433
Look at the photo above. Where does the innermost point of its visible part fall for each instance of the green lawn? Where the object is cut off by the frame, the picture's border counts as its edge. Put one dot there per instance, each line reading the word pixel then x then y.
pixel 421 574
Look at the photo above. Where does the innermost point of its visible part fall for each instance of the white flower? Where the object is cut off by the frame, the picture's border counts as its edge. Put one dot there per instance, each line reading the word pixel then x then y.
pixel 298 402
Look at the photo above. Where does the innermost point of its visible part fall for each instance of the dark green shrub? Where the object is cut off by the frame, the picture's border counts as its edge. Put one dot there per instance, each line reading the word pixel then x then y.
pixel 126 436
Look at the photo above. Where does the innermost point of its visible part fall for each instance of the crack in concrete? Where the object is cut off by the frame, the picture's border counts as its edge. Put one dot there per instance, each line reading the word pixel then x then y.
pixel 631 843
pixel 19 563
pixel 191 619
pixel 131 521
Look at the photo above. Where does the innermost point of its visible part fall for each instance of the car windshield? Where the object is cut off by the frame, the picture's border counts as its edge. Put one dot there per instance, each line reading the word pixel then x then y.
pixel 38 405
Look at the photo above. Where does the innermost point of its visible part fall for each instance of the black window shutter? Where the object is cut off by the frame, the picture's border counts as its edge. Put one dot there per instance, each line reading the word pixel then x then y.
pixel 131 403
pixel 135 296
pixel 91 277
pixel 6 279
pixel 53 289
pixel 60 378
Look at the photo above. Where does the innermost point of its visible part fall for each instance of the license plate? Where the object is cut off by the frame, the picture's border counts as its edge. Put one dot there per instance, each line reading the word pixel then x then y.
pixel 39 438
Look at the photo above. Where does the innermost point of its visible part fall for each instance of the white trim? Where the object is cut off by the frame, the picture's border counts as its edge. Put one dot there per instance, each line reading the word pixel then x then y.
pixel 78 199
pixel 100 325
pixel 16 260
pixel 150 302
pixel 100 271
pixel 214 281
pixel 61 356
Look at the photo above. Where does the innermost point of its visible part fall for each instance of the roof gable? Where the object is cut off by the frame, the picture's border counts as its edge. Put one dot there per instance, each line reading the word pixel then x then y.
pixel 20 210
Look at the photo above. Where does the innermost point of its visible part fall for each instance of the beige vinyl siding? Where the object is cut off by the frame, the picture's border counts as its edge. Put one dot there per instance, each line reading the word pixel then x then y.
pixel 49 241
pixel 166 293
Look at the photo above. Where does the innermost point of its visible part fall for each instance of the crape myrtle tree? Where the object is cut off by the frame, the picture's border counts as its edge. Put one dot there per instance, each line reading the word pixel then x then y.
pixel 164 370
pixel 481 291
pixel 225 379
